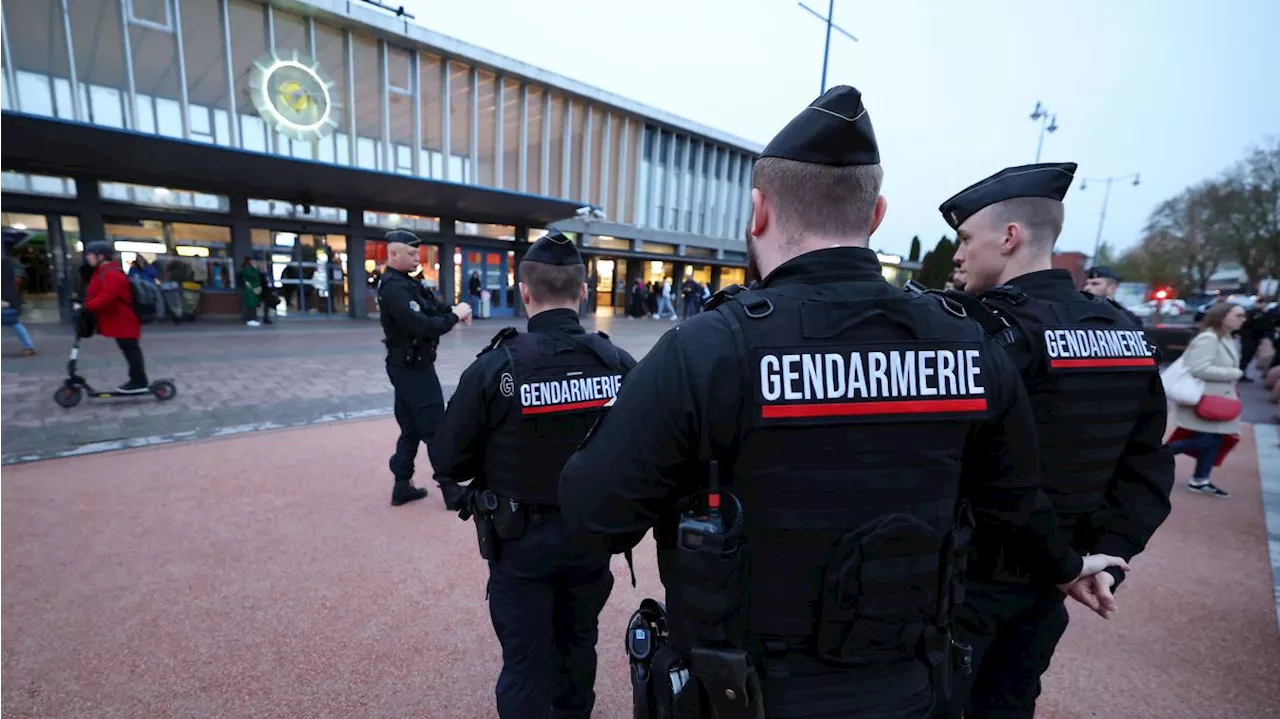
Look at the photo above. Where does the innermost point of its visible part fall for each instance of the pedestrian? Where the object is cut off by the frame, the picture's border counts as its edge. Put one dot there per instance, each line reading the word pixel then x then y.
pixel 1206 433
pixel 268 296
pixel 109 298
pixel 519 411
pixel 1100 414
pixel 664 301
pixel 12 304
pixel 413 324
pixel 250 292
pixel 473 292
pixel 853 423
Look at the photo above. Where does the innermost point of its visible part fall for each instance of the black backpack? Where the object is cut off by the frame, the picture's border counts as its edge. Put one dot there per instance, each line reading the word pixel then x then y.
pixel 146 297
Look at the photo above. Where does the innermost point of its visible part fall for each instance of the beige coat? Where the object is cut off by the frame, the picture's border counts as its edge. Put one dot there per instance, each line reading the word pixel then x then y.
pixel 1216 361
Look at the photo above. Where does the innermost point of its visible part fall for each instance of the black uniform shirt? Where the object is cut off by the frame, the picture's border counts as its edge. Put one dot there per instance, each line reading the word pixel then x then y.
pixel 478 405
pixel 1137 499
pixel 410 312
pixel 642 457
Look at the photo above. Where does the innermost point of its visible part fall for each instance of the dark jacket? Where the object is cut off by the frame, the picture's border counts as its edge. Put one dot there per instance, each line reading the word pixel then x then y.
pixel 9 285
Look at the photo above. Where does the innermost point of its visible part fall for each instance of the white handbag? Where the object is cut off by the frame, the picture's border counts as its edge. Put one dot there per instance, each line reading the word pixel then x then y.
pixel 1180 386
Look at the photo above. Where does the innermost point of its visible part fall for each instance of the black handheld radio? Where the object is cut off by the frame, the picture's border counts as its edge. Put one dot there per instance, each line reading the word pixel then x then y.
pixel 694 526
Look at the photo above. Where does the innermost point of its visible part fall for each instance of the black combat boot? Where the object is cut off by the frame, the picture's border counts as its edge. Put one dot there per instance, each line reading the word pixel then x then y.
pixel 405 492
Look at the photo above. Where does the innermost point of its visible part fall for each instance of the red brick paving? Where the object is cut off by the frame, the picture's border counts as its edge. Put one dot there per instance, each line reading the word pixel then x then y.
pixel 266 576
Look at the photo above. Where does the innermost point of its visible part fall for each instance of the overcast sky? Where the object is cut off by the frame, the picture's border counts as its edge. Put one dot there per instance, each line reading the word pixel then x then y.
pixel 1175 89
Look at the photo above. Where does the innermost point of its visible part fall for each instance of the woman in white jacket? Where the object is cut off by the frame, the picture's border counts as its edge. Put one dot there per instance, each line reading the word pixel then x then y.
pixel 1214 358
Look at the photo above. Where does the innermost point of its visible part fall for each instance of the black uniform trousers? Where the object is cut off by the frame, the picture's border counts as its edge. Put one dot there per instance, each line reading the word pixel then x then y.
pixel 545 596
pixel 419 408
pixel 1013 630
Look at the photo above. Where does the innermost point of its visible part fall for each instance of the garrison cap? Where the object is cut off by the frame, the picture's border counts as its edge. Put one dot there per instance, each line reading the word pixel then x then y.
pixel 1105 273
pixel 404 237
pixel 835 130
pixel 1048 180
pixel 554 248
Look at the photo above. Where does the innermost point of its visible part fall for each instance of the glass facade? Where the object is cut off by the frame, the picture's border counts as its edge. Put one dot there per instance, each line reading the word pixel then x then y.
pixel 192 69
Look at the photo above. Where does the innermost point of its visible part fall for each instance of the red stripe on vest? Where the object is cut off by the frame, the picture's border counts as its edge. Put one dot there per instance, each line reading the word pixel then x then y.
pixel 1087 363
pixel 568 407
pixel 864 409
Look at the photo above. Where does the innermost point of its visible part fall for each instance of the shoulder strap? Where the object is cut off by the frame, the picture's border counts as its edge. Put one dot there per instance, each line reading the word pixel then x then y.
pixel 754 305
pixel 505 334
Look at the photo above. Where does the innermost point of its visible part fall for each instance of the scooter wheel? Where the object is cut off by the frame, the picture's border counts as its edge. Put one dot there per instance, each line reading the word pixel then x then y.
pixel 164 390
pixel 68 396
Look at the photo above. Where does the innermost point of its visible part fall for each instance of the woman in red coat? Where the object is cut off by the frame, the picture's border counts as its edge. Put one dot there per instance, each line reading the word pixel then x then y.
pixel 110 299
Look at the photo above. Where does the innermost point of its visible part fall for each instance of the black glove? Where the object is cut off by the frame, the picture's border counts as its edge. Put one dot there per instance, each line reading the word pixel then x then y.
pixel 457 498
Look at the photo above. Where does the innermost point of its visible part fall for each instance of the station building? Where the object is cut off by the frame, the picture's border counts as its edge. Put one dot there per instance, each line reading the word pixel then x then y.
pixel 197 133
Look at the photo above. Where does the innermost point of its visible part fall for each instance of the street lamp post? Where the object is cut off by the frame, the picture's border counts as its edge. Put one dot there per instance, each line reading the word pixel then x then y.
pixel 826 48
pixel 1048 123
pixel 1106 196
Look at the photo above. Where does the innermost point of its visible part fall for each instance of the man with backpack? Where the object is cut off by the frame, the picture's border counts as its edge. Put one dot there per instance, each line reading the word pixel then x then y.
pixel 108 295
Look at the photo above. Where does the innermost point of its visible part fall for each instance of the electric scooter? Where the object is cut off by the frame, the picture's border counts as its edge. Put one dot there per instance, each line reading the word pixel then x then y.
pixel 75 387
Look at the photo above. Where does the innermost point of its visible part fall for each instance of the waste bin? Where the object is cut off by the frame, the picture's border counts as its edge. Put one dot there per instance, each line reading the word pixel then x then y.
pixel 485 304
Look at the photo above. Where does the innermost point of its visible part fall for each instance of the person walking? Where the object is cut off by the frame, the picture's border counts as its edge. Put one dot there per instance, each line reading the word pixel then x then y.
pixel 250 291
pixel 12 305
pixel 1209 430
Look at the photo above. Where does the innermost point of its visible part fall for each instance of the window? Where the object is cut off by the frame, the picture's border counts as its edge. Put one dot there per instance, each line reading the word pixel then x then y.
pixel 596 162
pixel 179 251
pixel 368 99
pixel 248 45
pixel 38 184
pixel 162 197
pixel 577 138
pixel 460 169
pixel 487 128
pixel 555 149
pixel 150 13
pixel 535 151
pixel 400 109
pixel 332 55
pixel 398 221
pixel 510 135
pixel 474 229
pixel 431 160
pixel 282 208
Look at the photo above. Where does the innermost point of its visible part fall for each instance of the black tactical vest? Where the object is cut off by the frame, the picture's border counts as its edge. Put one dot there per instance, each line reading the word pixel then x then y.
pixel 857 412
pixel 1091 372
pixel 558 384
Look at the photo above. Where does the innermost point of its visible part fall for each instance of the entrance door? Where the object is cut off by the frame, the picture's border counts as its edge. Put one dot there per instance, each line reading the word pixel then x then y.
pixel 486 270
pixel 45 253
pixel 309 271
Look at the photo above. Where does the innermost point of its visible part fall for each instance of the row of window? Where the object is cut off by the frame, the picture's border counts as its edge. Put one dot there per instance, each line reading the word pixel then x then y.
pixel 185 69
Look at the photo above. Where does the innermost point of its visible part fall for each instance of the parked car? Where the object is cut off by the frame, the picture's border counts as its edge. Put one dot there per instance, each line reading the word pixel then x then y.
pixel 1171 335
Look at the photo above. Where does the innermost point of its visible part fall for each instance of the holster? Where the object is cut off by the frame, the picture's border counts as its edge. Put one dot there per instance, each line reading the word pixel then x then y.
pixel 949 659
pixel 731 682
pixel 510 519
pixel 484 504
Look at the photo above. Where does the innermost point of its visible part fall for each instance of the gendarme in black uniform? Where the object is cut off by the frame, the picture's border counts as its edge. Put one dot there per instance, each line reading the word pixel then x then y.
pixel 519 411
pixel 1100 412
pixel 413 322
pixel 852 421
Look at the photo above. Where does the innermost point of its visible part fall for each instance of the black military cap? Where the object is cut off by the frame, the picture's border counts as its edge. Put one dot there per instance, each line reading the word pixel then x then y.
pixel 554 248
pixel 404 237
pixel 835 130
pixel 1105 273
pixel 1048 180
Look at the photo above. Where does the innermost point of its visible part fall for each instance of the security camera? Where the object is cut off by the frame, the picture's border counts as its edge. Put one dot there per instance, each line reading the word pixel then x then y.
pixel 597 213
pixel 583 211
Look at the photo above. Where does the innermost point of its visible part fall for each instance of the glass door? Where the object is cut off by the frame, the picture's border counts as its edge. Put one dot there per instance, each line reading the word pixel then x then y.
pixel 486 272
pixel 309 271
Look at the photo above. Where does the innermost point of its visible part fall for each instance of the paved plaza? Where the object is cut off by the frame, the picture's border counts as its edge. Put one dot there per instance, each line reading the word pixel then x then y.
pixel 230 379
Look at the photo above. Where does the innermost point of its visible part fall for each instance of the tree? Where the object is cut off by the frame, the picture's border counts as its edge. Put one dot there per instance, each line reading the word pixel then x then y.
pixel 1180 233
pixel 914 254
pixel 937 265
pixel 1104 258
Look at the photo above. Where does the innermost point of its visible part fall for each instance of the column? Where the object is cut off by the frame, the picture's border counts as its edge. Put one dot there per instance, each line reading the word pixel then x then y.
pixel 448 247
pixel 357 280
pixel 715 278
pixel 241 235
pixel 520 248
pixel 89 198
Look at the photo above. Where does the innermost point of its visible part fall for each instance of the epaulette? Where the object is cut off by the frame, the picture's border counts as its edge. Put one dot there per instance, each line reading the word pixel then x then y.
pixel 992 322
pixel 755 306
pixel 503 335
pixel 1007 293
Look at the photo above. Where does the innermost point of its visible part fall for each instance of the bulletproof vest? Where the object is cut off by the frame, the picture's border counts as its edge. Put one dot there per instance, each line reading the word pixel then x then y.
pixel 557 385
pixel 1090 373
pixel 856 416
pixel 396 338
